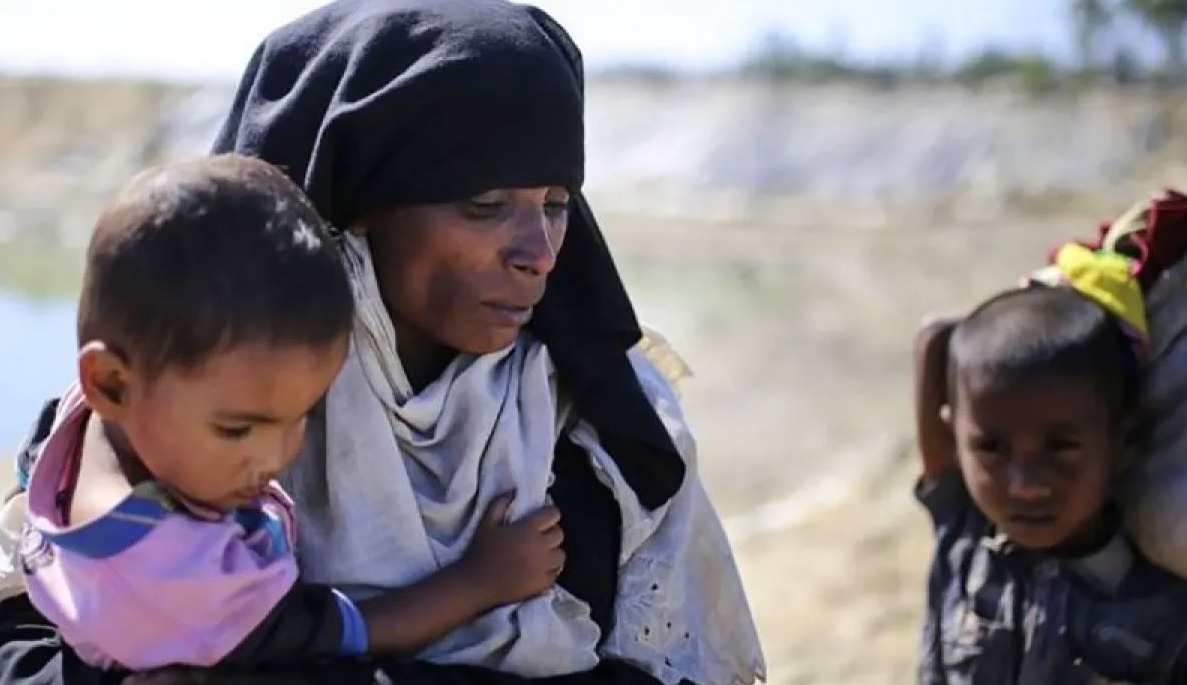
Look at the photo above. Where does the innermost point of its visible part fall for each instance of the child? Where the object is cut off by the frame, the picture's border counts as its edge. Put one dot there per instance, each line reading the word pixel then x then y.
pixel 214 315
pixel 1024 420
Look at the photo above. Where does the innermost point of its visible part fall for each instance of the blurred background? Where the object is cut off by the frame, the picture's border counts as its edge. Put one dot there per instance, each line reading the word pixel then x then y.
pixel 789 187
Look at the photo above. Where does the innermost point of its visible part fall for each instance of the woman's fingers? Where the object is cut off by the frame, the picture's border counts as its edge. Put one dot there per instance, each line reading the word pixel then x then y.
pixel 496 511
pixel 544 519
pixel 557 562
pixel 554 537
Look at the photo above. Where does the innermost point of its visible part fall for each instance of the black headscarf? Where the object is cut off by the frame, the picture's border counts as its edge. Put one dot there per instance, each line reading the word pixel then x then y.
pixel 375 104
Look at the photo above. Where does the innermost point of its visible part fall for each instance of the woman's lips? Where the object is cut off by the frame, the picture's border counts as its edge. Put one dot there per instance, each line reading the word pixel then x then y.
pixel 510 315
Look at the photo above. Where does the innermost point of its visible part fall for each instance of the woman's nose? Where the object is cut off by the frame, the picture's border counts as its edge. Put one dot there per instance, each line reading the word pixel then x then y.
pixel 534 249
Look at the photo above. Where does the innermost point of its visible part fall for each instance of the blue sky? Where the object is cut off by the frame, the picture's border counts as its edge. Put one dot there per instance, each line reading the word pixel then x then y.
pixel 210 39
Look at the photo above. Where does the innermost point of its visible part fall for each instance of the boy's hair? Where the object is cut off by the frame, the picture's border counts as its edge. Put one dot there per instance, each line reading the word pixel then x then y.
pixel 198 256
pixel 1043 332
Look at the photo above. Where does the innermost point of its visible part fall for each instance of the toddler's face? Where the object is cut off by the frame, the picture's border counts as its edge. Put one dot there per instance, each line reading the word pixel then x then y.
pixel 219 433
pixel 1038 457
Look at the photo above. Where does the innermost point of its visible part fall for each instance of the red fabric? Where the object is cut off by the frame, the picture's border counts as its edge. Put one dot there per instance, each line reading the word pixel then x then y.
pixel 1158 246
pixel 1165 242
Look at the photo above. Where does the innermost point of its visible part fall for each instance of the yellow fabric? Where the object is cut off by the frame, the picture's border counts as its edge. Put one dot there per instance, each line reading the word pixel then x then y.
pixel 660 352
pixel 1105 277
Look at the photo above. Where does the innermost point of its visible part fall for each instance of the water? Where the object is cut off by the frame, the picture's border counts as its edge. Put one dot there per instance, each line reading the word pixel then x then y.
pixel 37 353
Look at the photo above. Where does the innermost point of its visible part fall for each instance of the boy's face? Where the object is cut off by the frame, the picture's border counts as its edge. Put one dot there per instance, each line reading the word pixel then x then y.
pixel 218 433
pixel 1038 457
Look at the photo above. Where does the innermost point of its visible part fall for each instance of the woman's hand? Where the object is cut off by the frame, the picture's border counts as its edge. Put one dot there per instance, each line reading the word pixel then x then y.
pixel 514 561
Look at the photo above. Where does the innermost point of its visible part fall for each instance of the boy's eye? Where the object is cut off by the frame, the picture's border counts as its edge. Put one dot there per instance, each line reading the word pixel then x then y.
pixel 1063 444
pixel 987 445
pixel 232 432
pixel 1065 451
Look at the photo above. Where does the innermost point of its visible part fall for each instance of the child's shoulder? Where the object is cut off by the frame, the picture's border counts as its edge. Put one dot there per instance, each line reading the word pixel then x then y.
pixel 109 534
pixel 152 524
pixel 77 496
pixel 1144 578
pixel 950 506
pixel 1129 620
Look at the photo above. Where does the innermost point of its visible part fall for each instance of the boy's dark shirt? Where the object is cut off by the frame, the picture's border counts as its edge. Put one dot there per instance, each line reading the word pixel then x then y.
pixel 998 615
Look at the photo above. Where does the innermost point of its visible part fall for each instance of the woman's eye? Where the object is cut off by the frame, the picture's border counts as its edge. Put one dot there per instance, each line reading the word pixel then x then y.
pixel 483 209
pixel 232 432
pixel 556 208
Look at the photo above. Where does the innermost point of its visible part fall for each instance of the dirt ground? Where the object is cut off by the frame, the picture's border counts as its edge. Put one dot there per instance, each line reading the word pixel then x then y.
pixel 838 593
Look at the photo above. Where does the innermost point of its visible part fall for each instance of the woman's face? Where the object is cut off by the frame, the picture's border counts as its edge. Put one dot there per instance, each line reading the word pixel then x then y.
pixel 466 275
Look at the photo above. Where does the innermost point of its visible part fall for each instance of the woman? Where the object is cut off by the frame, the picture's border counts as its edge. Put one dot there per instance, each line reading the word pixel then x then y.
pixel 444 138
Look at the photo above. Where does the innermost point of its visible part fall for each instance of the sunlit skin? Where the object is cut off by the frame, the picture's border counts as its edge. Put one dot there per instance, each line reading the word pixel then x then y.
pixel 215 434
pixel 465 276
pixel 1039 457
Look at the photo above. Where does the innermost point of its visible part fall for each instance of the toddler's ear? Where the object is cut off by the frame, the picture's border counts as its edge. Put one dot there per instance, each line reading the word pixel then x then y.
pixel 104 376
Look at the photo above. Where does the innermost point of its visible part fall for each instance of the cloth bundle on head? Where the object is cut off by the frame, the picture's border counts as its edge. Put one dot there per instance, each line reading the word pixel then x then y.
pixel 1107 278
pixel 1136 269
pixel 374 104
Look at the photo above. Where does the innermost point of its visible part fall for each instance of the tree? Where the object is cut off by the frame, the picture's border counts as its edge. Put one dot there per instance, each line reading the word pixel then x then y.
pixel 1090 19
pixel 1125 69
pixel 1167 18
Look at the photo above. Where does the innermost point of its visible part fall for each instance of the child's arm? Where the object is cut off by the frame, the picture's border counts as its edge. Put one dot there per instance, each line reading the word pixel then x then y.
pixel 187 592
pixel 505 563
pixel 933 434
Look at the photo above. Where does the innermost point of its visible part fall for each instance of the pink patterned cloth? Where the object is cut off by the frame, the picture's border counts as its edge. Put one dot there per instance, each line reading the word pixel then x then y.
pixel 152 582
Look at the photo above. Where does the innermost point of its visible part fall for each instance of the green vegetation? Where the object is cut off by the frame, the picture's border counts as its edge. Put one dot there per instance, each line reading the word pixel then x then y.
pixel 1103 33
